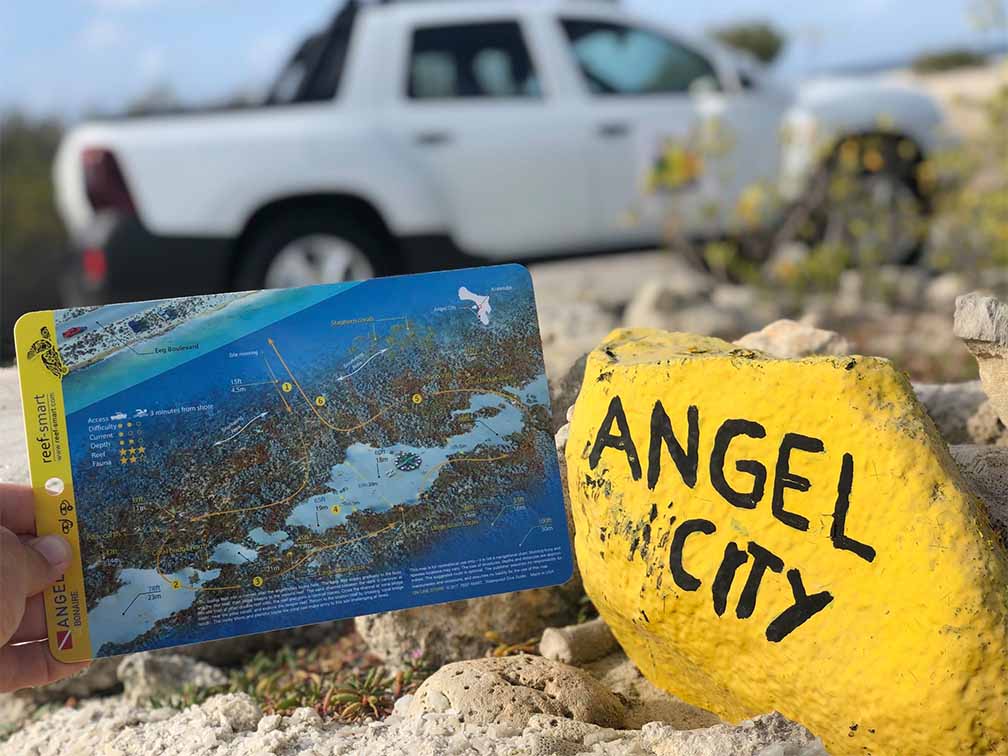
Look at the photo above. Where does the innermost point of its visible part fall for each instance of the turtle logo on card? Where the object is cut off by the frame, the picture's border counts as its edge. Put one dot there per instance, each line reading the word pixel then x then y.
pixel 45 349
pixel 64 639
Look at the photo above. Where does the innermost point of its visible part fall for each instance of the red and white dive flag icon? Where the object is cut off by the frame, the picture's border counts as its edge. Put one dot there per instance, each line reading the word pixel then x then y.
pixel 64 639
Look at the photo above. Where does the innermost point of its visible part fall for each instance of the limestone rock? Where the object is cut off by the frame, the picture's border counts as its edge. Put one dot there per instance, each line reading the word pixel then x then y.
pixel 458 630
pixel 786 338
pixel 566 729
pixel 942 291
pixel 986 469
pixel 764 534
pixel 659 306
pixel 233 725
pixel 14 711
pixel 982 323
pixel 577 644
pixel 561 437
pixel 147 676
pixel 767 735
pixel 981 318
pixel 509 690
pixel 564 392
pixel 100 677
pixel 645 702
pixel 239 712
pixel 569 328
pixel 985 427
pixel 951 405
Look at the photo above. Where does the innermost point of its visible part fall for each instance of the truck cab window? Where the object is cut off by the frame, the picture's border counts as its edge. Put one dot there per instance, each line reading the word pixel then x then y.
pixel 470 60
pixel 314 72
pixel 616 59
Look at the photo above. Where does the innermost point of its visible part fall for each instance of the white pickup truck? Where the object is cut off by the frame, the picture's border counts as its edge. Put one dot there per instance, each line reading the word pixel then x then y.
pixel 410 136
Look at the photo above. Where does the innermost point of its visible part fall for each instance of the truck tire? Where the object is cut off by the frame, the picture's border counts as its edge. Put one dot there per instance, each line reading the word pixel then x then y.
pixel 880 214
pixel 302 248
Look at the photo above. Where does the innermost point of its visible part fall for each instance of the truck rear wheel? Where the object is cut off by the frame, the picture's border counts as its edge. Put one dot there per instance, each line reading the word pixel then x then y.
pixel 871 204
pixel 301 249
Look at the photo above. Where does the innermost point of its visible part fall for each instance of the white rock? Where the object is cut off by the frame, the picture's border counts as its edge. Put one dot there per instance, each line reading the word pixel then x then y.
pixel 268 723
pixel 646 703
pixel 787 339
pixel 577 644
pixel 511 689
pixel 458 630
pixel 951 405
pixel 563 727
pixel 902 285
pixel 227 726
pixel 982 323
pixel 656 306
pixel 985 468
pixel 942 291
pixel 981 318
pixel 146 676
pixel 561 437
pixel 734 297
pixel 750 738
pixel 985 427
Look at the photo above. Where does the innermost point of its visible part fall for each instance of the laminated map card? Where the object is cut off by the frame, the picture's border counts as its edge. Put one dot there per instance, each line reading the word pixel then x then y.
pixel 235 463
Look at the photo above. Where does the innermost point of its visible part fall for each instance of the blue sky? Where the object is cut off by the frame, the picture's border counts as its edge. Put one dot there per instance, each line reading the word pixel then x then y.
pixel 71 56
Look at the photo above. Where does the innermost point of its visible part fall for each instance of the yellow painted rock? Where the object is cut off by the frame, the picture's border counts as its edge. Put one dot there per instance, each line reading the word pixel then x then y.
pixel 789 534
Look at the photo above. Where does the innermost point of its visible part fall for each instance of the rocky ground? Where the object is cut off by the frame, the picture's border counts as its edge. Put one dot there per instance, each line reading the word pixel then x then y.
pixel 500 679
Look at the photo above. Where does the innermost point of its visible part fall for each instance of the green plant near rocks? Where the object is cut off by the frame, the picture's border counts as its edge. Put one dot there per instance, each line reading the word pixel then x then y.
pixel 190 695
pixel 339 681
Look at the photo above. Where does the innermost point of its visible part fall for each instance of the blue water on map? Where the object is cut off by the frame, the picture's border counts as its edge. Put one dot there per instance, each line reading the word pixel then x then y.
pixel 263 538
pixel 144 598
pixel 243 315
pixel 391 487
pixel 303 326
pixel 233 553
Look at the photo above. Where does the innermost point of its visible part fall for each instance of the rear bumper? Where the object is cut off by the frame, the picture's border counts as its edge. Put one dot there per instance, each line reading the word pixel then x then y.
pixel 141 265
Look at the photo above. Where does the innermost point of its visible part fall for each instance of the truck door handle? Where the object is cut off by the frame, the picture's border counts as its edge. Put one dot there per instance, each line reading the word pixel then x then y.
pixel 613 129
pixel 433 138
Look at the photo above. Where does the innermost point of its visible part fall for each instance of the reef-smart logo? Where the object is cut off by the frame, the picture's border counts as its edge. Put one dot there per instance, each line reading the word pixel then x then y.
pixel 45 348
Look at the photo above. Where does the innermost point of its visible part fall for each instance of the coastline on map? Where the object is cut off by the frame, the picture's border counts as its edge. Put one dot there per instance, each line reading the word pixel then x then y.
pixel 224 318
pixel 131 329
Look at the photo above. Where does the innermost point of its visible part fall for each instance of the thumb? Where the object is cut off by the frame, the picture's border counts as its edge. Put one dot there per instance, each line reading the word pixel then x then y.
pixel 43 561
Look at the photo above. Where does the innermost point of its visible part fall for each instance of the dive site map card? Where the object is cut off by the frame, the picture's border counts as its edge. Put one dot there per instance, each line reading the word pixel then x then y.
pixel 235 463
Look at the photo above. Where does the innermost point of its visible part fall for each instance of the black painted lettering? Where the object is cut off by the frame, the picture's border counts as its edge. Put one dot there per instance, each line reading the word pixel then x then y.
pixel 804 608
pixel 837 535
pixel 728 430
pixel 763 560
pixel 784 478
pixel 622 442
pixel 734 558
pixel 682 578
pixel 661 433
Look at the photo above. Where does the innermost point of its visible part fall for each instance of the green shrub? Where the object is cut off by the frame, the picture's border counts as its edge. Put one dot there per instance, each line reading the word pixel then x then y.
pixel 758 38
pixel 947 60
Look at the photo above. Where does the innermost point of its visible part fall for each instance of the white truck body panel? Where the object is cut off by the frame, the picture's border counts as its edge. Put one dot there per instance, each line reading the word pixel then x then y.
pixel 504 177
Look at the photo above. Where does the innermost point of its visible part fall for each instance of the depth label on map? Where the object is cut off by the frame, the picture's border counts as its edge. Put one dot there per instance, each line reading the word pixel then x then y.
pixel 239 463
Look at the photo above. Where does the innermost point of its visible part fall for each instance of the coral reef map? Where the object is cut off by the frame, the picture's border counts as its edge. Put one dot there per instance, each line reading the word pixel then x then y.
pixel 236 463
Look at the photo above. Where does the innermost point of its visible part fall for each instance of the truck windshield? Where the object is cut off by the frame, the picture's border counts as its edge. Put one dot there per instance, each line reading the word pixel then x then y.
pixel 314 72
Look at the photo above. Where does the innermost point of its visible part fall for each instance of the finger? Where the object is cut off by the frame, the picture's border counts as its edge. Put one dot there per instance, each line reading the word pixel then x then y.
pixel 17 508
pixel 33 623
pixel 29 567
pixel 32 664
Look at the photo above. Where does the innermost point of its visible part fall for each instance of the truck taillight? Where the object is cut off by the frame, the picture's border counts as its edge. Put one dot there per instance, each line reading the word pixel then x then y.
pixel 94 265
pixel 104 182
